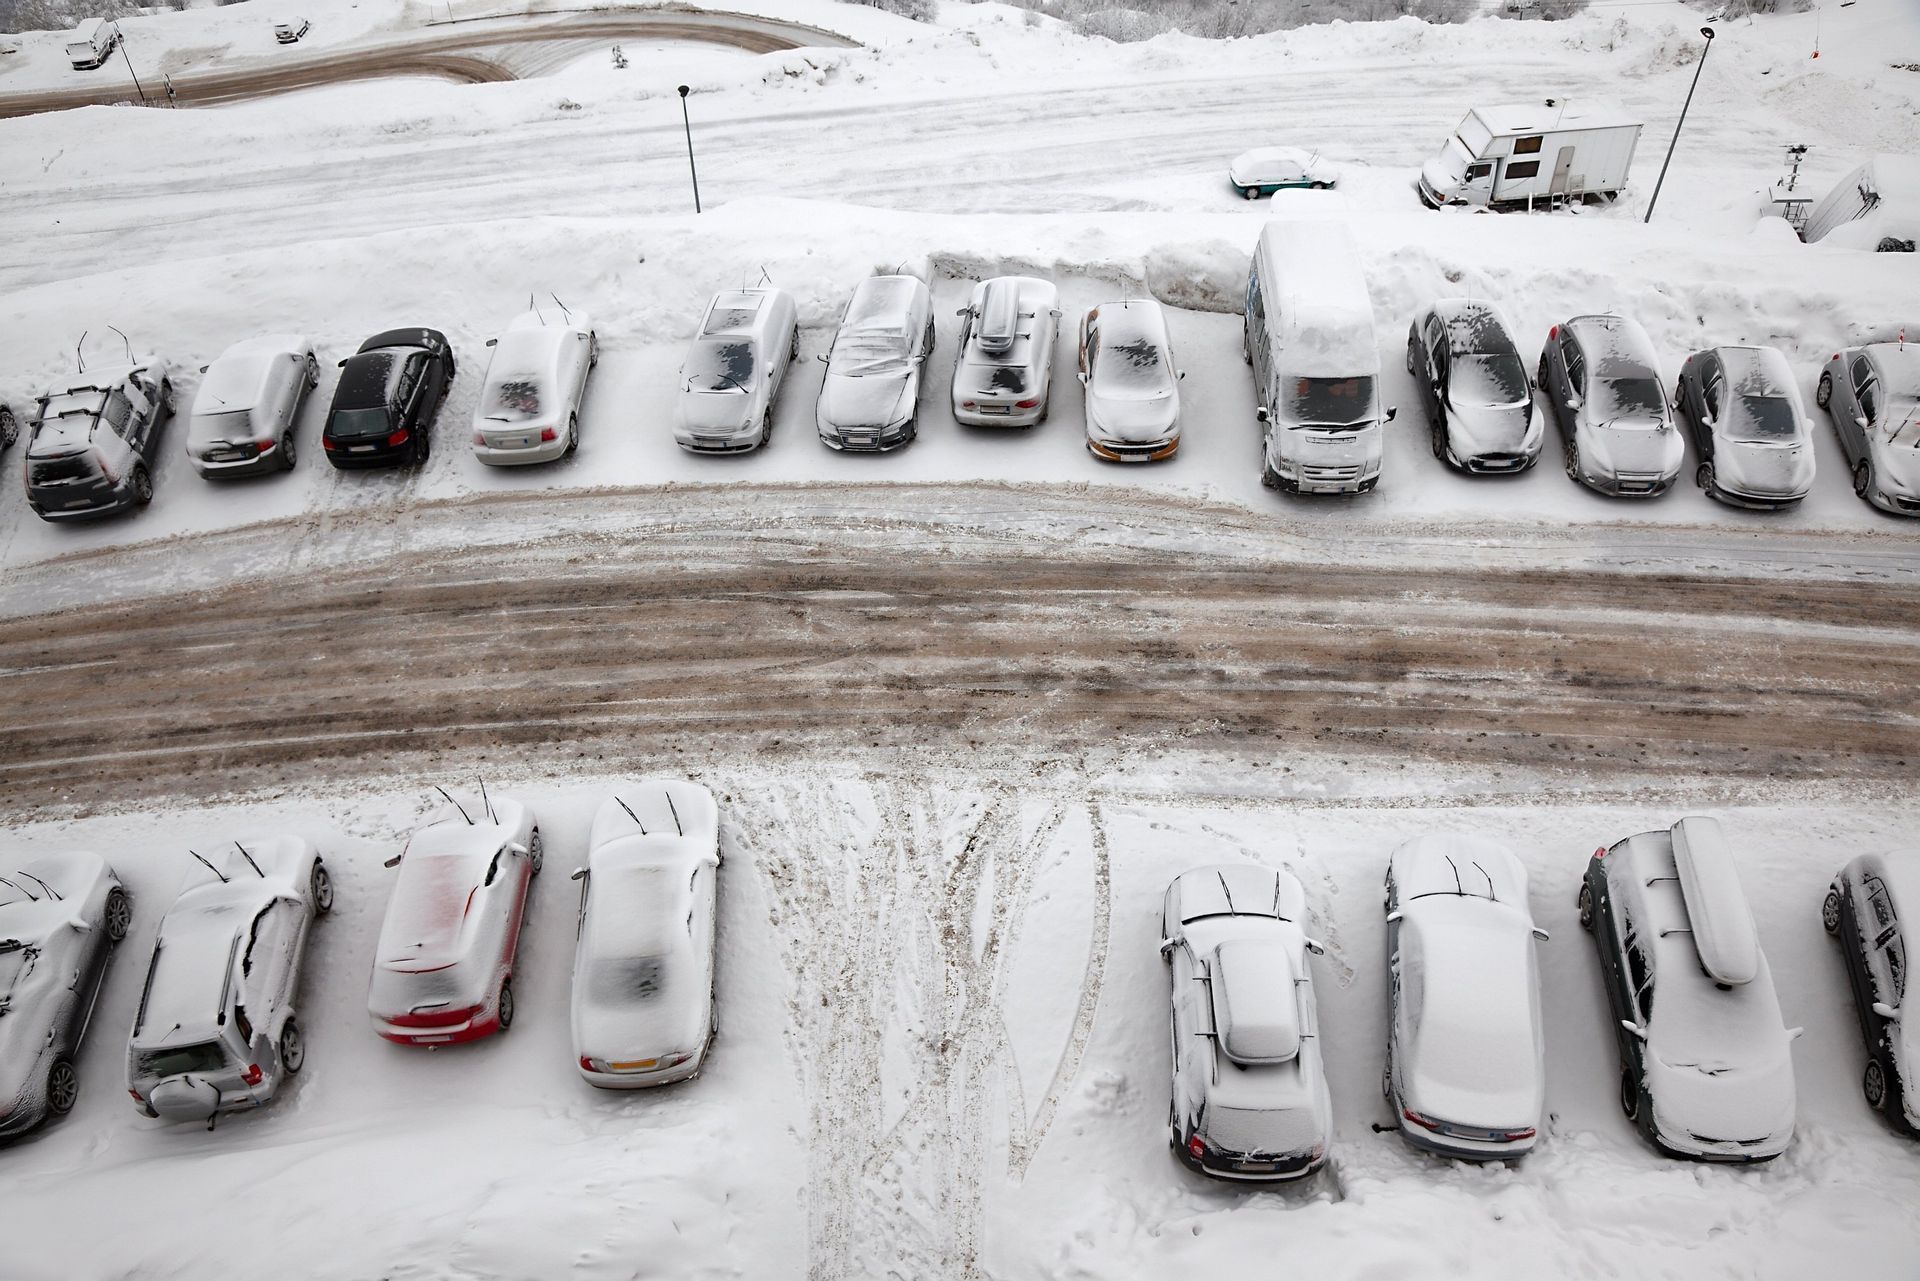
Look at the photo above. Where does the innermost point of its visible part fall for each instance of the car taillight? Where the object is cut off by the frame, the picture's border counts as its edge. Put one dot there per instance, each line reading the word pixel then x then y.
pixel 398 438
pixel 588 1065
pixel 136 1096
pixel 1514 1136
pixel 1197 1147
pixel 968 404
pixel 480 438
pixel 1553 332
pixel 1601 852
pixel 252 1075
pixel 1424 1122
pixel 262 446
pixel 1026 404
pixel 548 433
pixel 326 443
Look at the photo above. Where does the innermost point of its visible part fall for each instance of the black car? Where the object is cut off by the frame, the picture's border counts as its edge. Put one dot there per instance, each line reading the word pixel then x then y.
pixel 1863 910
pixel 389 392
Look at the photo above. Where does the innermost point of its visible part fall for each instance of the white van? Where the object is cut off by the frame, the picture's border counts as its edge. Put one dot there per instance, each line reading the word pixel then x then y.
pixel 1511 156
pixel 1316 371
pixel 91 42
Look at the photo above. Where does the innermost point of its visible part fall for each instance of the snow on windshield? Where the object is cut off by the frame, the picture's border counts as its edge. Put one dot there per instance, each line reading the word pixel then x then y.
pixel 1131 368
pixel 1488 380
pixel 1330 401
pixel 514 397
pixel 1767 419
pixel 720 365
pixel 1624 383
pixel 1635 399
pixel 869 351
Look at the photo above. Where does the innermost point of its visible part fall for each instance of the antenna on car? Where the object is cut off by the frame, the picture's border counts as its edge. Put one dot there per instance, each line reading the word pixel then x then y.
pixel 484 801
pixel 676 815
pixel 23 889
pixel 43 885
pixel 124 343
pixel 456 804
pixel 563 307
pixel 210 867
pixel 80 350
pixel 250 863
pixel 630 814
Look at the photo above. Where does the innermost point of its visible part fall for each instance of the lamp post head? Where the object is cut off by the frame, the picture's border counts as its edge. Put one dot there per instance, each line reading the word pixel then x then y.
pixel 1707 32
pixel 684 90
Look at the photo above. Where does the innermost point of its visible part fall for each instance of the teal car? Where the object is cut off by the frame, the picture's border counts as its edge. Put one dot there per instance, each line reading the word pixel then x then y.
pixel 1265 170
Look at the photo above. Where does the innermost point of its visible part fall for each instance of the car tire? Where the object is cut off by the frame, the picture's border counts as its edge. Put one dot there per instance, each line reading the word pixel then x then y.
pixel 63 1086
pixel 313 373
pixel 593 350
pixel 536 852
pixel 1573 461
pixel 1251 193
pixel 9 427
pixel 1269 478
pixel 1873 1084
pixel 1629 1094
pixel 1830 911
pixel 793 345
pixel 1862 477
pixel 1586 907
pixel 506 1005
pixel 119 914
pixel 766 428
pixel 1703 477
pixel 1386 1078
pixel 1823 394
pixel 293 1048
pixel 142 485
pixel 287 455
pixel 573 435
pixel 1437 437
pixel 320 886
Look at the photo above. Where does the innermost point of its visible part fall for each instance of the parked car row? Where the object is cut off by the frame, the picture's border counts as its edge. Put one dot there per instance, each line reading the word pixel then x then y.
pixel 217 1028
pixel 1308 335
pixel 1705 1071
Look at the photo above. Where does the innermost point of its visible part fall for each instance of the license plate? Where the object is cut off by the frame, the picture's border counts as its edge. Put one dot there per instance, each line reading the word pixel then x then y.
pixel 1257 1167
pixel 359 449
pixel 79 502
pixel 634 1065
pixel 432 1040
pixel 996 409
pixel 859 440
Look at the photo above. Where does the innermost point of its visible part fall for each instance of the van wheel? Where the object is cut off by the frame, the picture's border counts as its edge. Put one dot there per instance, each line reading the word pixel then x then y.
pixel 1823 394
pixel 1873 1084
pixel 119 913
pixel 1830 911
pixel 320 885
pixel 1586 907
pixel 506 1005
pixel 293 1050
pixel 63 1087
pixel 1269 478
pixel 1862 477
pixel 1629 1095
pixel 142 485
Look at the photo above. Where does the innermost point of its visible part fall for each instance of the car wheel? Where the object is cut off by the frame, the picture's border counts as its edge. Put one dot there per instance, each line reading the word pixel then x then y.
pixel 1823 394
pixel 1573 461
pixel 1873 1084
pixel 1269 478
pixel 63 1087
pixel 793 345
pixel 593 349
pixel 1629 1095
pixel 766 428
pixel 142 485
pixel 293 1050
pixel 1540 373
pixel 536 852
pixel 506 1005
pixel 9 427
pixel 1862 477
pixel 313 373
pixel 1586 907
pixel 119 913
pixel 1251 193
pixel 287 454
pixel 573 434
pixel 1437 437
pixel 1830 911
pixel 320 885
pixel 1386 1078
pixel 1703 476
pixel 1246 344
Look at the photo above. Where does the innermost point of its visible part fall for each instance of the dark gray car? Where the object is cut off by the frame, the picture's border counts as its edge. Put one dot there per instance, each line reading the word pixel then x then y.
pixel 1872 394
pixel 93 441
pixel 1603 380
pixel 1473 384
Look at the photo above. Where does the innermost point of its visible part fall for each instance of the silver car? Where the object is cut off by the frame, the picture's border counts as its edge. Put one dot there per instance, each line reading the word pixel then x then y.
pixel 245 414
pixel 1004 371
pixel 734 371
pixel 1749 430
pixel 1473 384
pixel 1872 394
pixel 1610 403
pixel 1132 386
pixel 216 1030
pixel 870 398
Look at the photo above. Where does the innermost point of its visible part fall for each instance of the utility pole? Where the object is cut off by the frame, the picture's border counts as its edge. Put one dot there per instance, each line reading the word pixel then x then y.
pixel 1697 69
pixel 684 90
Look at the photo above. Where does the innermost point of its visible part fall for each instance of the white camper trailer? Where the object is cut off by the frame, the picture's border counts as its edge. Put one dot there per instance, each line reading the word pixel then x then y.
pixel 1514 156
pixel 89 44
pixel 1877 206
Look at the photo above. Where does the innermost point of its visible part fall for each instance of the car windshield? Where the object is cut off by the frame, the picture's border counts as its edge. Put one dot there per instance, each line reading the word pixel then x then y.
pixel 209 1056
pixel 620 980
pixel 1766 419
pixel 16 962
pixel 513 397
pixel 1488 380
pixel 720 364
pixel 1330 402
pixel 1131 370
pixel 1637 400
pixel 1903 423
pixel 869 352
pixel 233 424
pixel 350 424
pixel 74 469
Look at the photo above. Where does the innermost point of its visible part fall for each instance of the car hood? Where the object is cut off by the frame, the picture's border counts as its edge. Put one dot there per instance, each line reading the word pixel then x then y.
pixel 1638 449
pixel 870 400
pixel 1494 429
pixel 1752 468
pixel 1898 466
pixel 1132 422
pixel 1440 179
pixel 713 411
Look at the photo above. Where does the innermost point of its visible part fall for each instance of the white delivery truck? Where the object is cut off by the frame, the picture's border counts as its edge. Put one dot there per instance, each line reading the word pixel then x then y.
pixel 90 43
pixel 1545 152
pixel 1316 370
pixel 1877 206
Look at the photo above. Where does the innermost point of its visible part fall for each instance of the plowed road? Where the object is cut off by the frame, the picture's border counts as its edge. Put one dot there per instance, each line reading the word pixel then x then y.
pixel 813 637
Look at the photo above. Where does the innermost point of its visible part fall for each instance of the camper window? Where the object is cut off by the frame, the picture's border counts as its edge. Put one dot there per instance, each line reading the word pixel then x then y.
pixel 1528 146
pixel 1523 169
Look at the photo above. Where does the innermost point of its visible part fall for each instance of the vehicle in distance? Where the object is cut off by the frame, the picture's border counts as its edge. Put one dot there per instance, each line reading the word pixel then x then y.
pixel 1250 1095
pixel 870 398
pixel 1510 157
pixel 246 412
pixel 1480 412
pixel 733 373
pixel 443 968
pixel 388 395
pixel 529 406
pixel 217 1030
pixel 643 962
pixel 288 30
pixel 1871 908
pixel 1749 430
pixel 1131 385
pixel 60 917
pixel 93 442
pixel 1705 1067
pixel 1609 401
pixel 1265 170
pixel 1466 1054
pixel 1003 373
pixel 92 42
pixel 1872 396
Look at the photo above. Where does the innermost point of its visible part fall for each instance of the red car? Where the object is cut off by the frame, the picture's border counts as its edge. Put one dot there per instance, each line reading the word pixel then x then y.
pixel 443 971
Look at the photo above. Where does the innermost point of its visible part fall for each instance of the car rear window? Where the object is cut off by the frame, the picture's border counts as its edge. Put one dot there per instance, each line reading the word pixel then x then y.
pixel 208 1056
pixel 74 469
pixel 356 423
pixel 630 978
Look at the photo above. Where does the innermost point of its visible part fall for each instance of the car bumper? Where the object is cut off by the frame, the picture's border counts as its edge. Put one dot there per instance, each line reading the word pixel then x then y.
pixel 545 451
pixel 1352 478
pixel 867 442
pixel 347 458
pixel 1898 504
pixel 1125 452
pixel 735 442
pixel 1463 1149
pixel 1629 486
pixel 24 1116
pixel 1755 502
pixel 1724 1152
pixel 1012 418
pixel 1496 464
pixel 223 469
pixel 441 1034
pixel 1224 1166
pixel 640 1080
pixel 98 505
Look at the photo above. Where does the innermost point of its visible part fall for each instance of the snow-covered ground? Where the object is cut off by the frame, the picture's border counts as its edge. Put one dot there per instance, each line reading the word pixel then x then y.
pixel 943 1021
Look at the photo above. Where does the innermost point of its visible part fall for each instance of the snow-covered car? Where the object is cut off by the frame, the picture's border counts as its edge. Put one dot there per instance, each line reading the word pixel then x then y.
pixel 92 444
pixel 1265 170
pixel 1872 908
pixel 60 916
pixel 1705 1067
pixel 1603 379
pixel 1003 374
pixel 443 968
pixel 1466 1054
pixel 1748 426
pixel 217 1029
pixel 1249 1093
pixel 1473 383
pixel 288 30
pixel 747 342
pixel 529 406
pixel 387 398
pixel 1872 396
pixel 643 962
pixel 870 397
pixel 246 412
pixel 1131 385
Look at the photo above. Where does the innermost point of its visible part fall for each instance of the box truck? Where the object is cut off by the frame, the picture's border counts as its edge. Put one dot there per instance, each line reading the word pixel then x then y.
pixel 1504 157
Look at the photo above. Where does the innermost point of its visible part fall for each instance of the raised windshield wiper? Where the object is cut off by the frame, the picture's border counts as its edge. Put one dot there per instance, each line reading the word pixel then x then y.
pixel 735 381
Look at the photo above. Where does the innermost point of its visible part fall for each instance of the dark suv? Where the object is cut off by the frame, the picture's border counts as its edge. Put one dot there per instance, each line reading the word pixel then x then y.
pixel 389 392
pixel 92 444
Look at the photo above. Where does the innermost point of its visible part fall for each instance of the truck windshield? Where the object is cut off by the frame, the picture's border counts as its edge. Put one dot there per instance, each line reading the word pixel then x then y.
pixel 210 1056
pixel 1330 402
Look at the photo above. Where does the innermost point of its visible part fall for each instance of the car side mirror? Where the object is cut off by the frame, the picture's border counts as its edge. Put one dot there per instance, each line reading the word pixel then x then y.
pixel 1795 1033
pixel 1057 313
pixel 1859 422
pixel 961 311
pixel 516 847
pixel 1166 946
pixel 342 365
pixel 492 341
pixel 1574 399
pixel 1634 1028
pixel 1183 375
pixel 1083 379
pixel 1394 916
pixel 1886 1011
pixel 822 358
pixel 1541 934
pixel 579 874
pixel 1315 946
pixel 1391 411
pixel 205 368
pixel 394 861
pixel 1261 415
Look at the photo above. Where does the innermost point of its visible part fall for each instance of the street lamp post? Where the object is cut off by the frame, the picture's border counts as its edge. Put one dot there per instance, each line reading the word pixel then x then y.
pixel 690 166
pixel 138 87
pixel 1698 67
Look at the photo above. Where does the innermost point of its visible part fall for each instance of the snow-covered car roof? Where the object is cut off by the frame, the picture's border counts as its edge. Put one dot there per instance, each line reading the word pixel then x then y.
pixel 239 378
pixel 444 865
pixel 1475 327
pixel 1474 1055
pixel 1258 163
pixel 1318 298
pixel 735 311
pixel 1899 870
